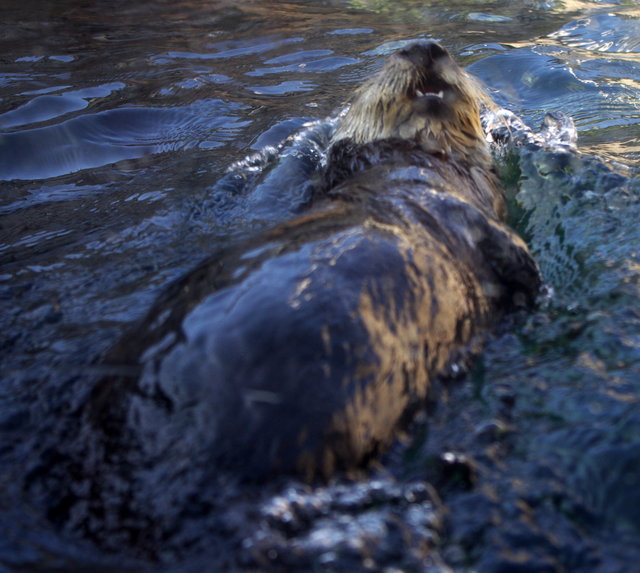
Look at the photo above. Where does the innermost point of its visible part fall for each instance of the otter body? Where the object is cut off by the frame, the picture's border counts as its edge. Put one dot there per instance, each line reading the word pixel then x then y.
pixel 304 349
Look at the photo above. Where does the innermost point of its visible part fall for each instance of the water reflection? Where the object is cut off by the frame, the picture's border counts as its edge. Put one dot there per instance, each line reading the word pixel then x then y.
pixel 604 32
pixel 94 140
pixel 46 107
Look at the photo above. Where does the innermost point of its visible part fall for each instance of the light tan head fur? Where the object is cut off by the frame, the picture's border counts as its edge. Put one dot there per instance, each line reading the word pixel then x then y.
pixel 422 95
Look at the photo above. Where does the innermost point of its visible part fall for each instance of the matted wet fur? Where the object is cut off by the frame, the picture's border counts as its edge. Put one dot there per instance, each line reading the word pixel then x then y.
pixel 306 348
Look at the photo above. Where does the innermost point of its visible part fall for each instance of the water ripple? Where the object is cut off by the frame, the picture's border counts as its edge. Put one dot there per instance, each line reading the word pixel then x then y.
pixel 598 94
pixel 230 49
pixel 321 65
pixel 602 33
pixel 93 140
pixel 46 107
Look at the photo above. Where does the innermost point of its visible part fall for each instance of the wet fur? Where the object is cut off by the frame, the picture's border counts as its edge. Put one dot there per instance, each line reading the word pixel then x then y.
pixel 306 348
pixel 387 106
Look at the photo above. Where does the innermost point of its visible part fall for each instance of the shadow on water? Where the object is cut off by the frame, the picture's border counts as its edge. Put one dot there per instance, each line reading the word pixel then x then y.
pixel 123 133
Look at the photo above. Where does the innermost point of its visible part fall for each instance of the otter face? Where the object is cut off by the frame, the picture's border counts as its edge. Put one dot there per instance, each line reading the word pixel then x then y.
pixel 421 95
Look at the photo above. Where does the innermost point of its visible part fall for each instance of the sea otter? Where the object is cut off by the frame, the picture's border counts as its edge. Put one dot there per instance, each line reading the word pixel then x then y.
pixel 306 348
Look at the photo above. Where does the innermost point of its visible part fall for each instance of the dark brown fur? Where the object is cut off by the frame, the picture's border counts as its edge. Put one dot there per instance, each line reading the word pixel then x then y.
pixel 305 349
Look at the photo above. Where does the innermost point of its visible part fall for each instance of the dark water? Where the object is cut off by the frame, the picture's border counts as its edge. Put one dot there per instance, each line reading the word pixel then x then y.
pixel 118 121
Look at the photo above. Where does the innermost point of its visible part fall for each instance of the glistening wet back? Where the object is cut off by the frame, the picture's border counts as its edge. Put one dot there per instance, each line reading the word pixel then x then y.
pixel 304 348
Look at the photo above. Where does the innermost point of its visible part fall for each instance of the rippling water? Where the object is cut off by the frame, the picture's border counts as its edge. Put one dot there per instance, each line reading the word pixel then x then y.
pixel 118 121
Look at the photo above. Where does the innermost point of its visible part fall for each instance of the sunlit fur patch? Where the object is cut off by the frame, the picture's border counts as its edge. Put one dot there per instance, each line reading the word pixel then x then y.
pixel 425 97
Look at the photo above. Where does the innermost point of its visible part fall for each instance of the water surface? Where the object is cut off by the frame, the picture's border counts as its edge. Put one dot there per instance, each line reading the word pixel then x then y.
pixel 118 122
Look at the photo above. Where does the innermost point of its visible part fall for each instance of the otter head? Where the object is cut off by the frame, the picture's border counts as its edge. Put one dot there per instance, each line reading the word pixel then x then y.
pixel 421 95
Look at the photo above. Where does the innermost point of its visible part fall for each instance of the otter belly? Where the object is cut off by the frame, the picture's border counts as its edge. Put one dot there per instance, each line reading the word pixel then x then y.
pixel 305 350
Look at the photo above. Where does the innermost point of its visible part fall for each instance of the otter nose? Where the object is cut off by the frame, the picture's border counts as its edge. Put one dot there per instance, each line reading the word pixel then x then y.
pixel 434 50
pixel 423 53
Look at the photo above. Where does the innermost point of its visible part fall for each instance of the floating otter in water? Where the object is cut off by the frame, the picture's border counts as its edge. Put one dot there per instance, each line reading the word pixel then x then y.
pixel 304 349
